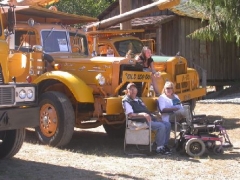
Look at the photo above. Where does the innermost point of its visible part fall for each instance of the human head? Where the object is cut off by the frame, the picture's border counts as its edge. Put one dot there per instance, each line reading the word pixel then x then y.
pixel 132 90
pixel 168 88
pixel 146 52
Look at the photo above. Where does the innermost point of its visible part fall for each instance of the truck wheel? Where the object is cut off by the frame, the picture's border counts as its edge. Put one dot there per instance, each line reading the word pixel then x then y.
pixel 57 119
pixel 116 130
pixel 192 103
pixel 11 142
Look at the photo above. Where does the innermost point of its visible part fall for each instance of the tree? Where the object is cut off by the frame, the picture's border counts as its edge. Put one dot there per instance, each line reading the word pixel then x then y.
pixel 223 20
pixel 83 7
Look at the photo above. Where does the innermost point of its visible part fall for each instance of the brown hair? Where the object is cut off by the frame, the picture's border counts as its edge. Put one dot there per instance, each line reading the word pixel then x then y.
pixel 144 49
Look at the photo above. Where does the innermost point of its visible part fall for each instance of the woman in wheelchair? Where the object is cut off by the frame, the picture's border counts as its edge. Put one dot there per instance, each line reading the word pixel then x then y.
pixel 170 105
pixel 135 108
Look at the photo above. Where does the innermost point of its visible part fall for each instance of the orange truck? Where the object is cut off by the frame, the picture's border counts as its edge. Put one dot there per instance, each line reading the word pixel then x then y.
pixel 124 43
pixel 18 100
pixel 75 89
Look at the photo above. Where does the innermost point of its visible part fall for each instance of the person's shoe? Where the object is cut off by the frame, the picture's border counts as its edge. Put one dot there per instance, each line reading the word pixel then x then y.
pixel 162 151
pixel 167 148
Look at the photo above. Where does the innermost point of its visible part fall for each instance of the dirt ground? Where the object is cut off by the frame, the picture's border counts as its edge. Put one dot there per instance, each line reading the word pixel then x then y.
pixel 91 154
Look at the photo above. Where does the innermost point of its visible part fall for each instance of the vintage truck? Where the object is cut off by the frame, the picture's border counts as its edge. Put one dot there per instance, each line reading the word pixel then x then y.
pixel 123 43
pixel 74 88
pixel 18 101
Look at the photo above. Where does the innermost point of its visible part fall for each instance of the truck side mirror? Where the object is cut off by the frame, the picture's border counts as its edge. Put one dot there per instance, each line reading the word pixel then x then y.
pixel 11 20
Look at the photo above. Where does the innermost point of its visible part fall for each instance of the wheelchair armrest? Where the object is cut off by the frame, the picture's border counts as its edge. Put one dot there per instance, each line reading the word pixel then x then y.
pixel 167 112
pixel 200 116
pixel 200 119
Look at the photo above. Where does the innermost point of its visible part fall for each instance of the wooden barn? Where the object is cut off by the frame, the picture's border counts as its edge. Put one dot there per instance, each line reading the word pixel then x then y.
pixel 169 28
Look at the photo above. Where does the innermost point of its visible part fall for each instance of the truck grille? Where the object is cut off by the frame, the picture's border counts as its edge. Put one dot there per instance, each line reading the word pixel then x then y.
pixel 1 75
pixel 180 69
pixel 128 67
pixel 7 95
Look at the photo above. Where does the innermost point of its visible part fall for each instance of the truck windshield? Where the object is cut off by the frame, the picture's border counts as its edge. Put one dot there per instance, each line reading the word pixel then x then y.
pixel 131 46
pixel 55 41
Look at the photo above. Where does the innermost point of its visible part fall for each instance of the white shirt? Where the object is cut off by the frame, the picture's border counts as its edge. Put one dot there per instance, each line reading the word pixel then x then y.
pixel 128 108
pixel 165 102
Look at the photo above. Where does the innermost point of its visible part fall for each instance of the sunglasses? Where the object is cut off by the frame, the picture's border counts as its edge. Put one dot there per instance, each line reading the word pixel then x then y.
pixel 169 88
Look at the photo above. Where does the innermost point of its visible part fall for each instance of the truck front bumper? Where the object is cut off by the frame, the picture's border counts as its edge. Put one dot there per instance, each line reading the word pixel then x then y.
pixel 16 118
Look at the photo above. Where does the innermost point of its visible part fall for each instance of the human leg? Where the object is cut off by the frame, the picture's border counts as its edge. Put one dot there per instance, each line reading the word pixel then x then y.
pixel 154 84
pixel 160 128
pixel 167 132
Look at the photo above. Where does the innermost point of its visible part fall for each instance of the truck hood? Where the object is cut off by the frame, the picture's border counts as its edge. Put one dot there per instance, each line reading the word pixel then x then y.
pixel 161 58
pixel 73 57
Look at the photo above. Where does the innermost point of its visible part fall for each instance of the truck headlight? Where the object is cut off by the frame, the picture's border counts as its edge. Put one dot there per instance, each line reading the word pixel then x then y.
pixel 22 94
pixel 101 79
pixel 29 94
pixel 25 94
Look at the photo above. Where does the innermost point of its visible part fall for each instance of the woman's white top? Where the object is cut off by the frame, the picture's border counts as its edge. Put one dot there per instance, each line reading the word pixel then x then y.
pixel 165 102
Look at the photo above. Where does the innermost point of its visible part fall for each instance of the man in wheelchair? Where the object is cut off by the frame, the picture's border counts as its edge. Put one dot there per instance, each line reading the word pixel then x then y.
pixel 135 108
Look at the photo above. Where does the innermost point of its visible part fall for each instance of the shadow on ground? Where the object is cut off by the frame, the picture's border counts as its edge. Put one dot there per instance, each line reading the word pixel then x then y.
pixel 100 144
pixel 21 169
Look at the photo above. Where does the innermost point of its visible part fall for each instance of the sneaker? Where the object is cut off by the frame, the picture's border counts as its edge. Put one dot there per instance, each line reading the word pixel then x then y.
pixel 167 148
pixel 162 151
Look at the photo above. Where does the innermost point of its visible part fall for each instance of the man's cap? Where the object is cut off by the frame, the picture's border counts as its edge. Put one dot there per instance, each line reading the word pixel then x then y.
pixel 131 84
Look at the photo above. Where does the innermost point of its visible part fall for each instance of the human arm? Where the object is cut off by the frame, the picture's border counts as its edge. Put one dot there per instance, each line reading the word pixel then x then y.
pixel 131 114
pixel 165 104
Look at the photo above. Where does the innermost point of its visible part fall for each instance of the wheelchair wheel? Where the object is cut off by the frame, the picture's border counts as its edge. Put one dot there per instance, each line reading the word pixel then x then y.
pixel 195 147
pixel 217 150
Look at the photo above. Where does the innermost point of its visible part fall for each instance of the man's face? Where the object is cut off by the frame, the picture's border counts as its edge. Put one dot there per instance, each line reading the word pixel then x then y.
pixel 132 92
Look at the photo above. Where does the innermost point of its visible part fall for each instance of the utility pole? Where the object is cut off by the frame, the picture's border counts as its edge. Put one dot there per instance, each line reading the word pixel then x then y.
pixel 125 6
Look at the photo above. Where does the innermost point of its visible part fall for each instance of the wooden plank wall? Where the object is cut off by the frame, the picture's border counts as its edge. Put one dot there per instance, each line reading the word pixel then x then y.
pixel 219 58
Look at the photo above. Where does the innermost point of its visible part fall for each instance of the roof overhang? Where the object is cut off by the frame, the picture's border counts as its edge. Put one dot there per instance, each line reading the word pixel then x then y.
pixel 148 21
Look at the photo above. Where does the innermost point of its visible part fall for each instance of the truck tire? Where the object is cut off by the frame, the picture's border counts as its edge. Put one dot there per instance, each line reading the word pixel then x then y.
pixel 57 119
pixel 11 142
pixel 192 103
pixel 116 130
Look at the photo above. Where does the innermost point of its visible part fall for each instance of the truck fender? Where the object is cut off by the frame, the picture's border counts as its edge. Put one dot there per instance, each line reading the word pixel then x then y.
pixel 81 91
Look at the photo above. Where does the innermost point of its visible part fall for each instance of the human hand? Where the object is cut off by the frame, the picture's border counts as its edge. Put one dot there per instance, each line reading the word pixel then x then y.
pixel 137 58
pixel 157 74
pixel 175 108
pixel 147 116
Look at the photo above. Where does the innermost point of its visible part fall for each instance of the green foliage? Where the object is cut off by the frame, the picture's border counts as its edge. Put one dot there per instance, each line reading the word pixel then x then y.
pixel 83 7
pixel 223 20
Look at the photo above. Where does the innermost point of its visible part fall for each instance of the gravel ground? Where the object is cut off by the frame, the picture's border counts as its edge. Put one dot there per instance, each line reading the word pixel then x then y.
pixel 91 154
pixel 229 99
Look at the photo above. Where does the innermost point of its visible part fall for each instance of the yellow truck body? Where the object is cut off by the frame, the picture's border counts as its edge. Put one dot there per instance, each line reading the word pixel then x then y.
pixel 123 43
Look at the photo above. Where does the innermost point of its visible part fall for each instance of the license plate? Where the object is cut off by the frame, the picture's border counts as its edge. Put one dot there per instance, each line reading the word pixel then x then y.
pixel 130 76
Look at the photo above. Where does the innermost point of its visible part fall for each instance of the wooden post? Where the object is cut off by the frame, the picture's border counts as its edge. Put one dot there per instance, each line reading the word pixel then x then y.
pixel 158 49
pixel 125 6
pixel 204 78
